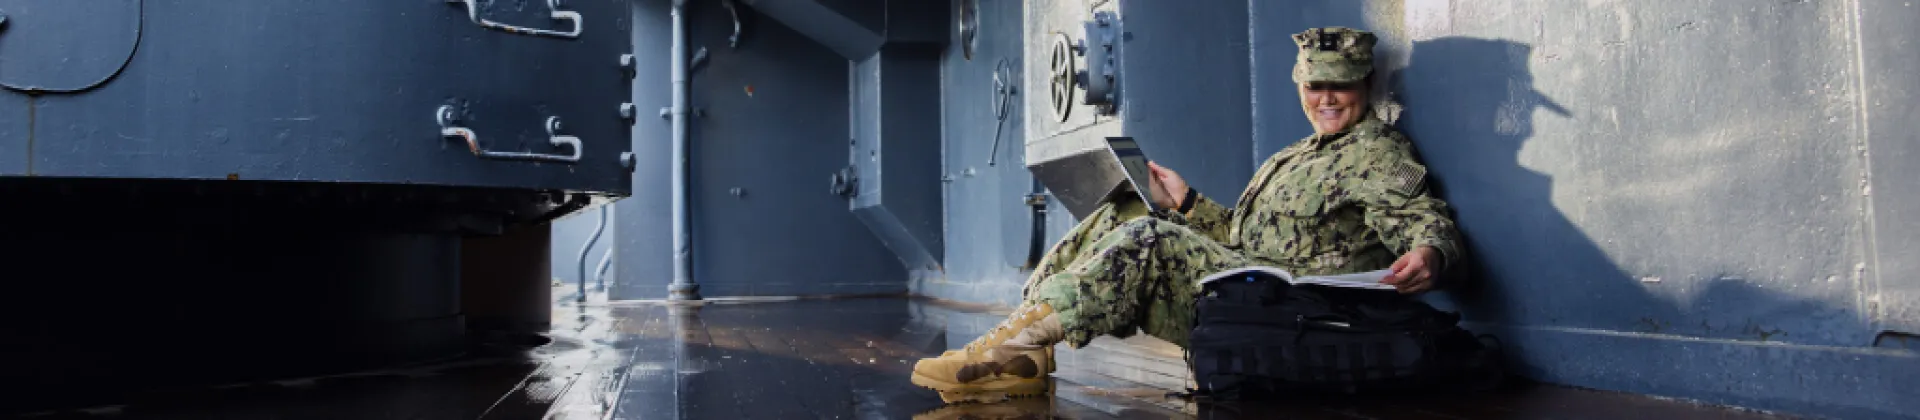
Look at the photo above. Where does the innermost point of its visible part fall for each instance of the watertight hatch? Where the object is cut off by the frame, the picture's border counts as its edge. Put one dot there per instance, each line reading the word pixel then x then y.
pixel 66 46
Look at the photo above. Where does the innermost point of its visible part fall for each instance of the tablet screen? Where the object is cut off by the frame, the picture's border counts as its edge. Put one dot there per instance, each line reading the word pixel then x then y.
pixel 1134 163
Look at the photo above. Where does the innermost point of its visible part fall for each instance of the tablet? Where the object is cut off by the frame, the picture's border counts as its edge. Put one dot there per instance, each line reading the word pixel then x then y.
pixel 1133 164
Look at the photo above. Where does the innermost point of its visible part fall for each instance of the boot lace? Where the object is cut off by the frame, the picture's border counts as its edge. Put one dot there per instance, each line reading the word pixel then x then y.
pixel 1000 333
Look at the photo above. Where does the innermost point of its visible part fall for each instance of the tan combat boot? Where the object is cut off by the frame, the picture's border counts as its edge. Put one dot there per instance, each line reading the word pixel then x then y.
pixel 1012 360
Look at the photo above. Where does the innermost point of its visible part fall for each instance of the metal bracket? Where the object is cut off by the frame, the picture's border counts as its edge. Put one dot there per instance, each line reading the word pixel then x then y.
pixel 448 118
pixel 846 182
pixel 1035 200
pixel 473 13
pixel 1099 78
pixel 666 113
pixel 698 61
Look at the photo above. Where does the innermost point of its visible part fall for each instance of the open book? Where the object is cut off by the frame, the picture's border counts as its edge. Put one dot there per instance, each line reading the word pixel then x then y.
pixel 1363 280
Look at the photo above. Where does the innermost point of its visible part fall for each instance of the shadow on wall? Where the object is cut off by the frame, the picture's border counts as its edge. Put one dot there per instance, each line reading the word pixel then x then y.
pixel 1562 305
pixel 1469 109
pixel 1470 105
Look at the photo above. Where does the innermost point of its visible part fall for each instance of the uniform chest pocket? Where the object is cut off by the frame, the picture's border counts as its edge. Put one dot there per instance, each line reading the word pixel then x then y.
pixel 1303 199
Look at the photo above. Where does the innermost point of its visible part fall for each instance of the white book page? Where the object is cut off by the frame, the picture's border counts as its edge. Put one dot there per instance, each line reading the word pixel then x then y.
pixel 1243 271
pixel 1365 280
pixel 1362 280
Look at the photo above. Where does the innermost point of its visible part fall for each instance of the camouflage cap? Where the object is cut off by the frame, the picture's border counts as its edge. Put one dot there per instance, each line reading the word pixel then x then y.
pixel 1333 54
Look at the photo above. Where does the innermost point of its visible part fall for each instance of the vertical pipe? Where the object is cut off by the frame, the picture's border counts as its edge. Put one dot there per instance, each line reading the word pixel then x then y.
pixel 600 274
pixel 1037 241
pixel 683 287
pixel 588 249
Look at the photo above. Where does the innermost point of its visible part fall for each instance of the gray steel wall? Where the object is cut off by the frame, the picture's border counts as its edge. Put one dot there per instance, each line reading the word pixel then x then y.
pixel 1184 74
pixel 1185 59
pixel 1670 198
pixel 644 236
pixel 308 92
pixel 785 234
pixel 1885 53
pixel 1691 200
pixel 987 221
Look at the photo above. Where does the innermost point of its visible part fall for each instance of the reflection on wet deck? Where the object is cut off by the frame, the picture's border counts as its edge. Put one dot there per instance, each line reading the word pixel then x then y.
pixel 846 358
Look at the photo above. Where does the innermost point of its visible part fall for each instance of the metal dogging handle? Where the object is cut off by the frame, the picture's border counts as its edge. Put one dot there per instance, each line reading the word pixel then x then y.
pixel 473 13
pixel 448 121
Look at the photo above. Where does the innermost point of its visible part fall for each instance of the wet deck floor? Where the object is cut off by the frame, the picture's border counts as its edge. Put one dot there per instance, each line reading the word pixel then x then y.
pixel 837 359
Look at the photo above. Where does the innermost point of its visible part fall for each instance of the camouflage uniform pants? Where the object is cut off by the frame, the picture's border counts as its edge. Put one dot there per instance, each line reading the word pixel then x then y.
pixel 1120 271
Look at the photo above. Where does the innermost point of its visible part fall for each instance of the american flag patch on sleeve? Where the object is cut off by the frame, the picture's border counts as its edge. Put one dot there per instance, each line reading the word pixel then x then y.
pixel 1406 179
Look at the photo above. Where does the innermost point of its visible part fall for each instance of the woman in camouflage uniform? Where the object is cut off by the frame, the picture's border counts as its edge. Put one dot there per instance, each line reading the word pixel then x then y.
pixel 1350 198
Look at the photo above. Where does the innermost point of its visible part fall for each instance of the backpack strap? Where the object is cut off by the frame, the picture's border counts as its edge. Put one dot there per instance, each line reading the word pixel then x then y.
pixel 1228 390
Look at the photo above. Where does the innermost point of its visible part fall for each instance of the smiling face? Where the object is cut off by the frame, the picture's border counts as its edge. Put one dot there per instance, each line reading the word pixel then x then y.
pixel 1333 107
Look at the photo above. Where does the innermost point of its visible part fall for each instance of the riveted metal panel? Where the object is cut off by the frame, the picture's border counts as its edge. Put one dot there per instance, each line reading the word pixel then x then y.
pixel 340 91
pixel 1181 90
pixel 1060 125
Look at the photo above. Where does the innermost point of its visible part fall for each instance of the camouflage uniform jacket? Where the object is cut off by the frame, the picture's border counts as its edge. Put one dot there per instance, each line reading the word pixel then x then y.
pixel 1335 203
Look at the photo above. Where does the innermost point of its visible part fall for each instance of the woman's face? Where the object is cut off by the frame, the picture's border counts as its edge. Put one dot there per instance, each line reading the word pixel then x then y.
pixel 1333 106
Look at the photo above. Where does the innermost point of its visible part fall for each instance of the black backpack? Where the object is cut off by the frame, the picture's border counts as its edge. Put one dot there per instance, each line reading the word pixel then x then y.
pixel 1257 336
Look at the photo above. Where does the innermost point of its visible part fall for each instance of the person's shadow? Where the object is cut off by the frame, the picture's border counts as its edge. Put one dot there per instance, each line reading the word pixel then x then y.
pixel 1469 108
pixel 1469 105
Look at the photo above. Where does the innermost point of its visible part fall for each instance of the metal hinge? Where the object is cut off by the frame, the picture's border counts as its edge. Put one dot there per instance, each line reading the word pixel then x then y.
pixel 1036 199
pixel 846 183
